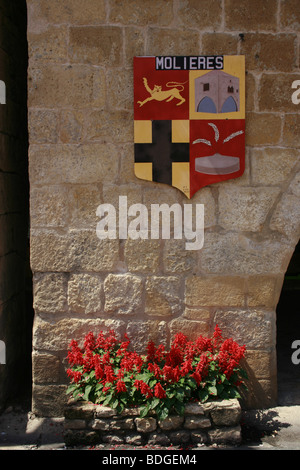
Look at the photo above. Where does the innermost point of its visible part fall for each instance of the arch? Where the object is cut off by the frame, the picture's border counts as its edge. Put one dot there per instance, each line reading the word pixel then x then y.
pixel 229 105
pixel 287 334
pixel 206 105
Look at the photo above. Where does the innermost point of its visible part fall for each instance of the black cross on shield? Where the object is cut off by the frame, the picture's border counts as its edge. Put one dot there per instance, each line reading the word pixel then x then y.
pixel 162 152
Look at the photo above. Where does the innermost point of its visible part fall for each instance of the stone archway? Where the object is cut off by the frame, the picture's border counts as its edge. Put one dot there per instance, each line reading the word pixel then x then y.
pixel 288 331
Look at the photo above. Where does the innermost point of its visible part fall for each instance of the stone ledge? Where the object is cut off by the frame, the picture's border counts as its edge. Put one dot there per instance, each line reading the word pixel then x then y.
pixel 216 422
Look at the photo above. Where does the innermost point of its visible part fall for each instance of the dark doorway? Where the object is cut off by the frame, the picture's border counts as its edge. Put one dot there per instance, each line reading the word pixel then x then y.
pixel 288 331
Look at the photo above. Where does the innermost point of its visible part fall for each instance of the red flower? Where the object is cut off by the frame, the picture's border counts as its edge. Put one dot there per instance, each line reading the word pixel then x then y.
pixel 75 356
pixel 121 387
pixel 76 376
pixel 159 392
pixel 89 342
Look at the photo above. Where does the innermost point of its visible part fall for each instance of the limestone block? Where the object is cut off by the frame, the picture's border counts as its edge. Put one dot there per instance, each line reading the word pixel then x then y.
pixel 145 425
pixel 254 16
pixel 83 164
pixel 191 329
pixel 113 127
pixel 225 435
pixel 87 252
pixel 254 328
pixel 140 332
pixel 258 48
pixel 261 363
pixel 123 294
pixel 120 424
pixel 49 251
pixel 245 209
pixel 227 414
pixel 215 291
pixel 286 217
pixel 149 12
pixel 263 291
pixel 48 400
pixel 84 293
pixel 205 196
pixel 49 292
pixel 134 439
pixel 275 92
pixel 272 166
pixel 71 126
pixel 197 313
pixel 45 368
pixel 172 41
pixel 96 45
pixel 178 260
pixel 232 253
pixel 159 439
pixel 112 192
pixel 203 13
pixel 263 129
pixel 213 43
pixel 179 437
pixel 171 422
pixel 119 83
pixel 54 85
pixel 83 200
pixel 196 422
pixel 295 185
pixel 289 15
pixel 134 43
pixel 79 410
pixel 162 295
pixel 49 44
pixel 48 206
pixel 127 174
pixel 104 412
pixel 291 137
pixel 43 125
pixel 69 11
pixel 142 255
pixel 193 408
pixel 56 335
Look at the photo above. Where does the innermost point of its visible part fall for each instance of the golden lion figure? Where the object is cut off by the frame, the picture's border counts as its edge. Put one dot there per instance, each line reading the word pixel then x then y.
pixel 160 95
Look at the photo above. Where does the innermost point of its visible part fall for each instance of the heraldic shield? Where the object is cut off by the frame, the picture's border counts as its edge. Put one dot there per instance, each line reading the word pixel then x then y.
pixel 189 120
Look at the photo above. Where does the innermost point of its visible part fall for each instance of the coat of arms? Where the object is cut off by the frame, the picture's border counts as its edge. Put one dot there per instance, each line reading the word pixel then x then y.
pixel 189 120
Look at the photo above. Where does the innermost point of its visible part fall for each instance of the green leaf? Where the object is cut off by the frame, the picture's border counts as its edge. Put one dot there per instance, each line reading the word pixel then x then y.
pixel 114 403
pixel 162 413
pixel 179 407
pixel 180 394
pixel 154 403
pixel 71 388
pixel 144 410
pixel 87 392
pixel 203 395
pixel 212 390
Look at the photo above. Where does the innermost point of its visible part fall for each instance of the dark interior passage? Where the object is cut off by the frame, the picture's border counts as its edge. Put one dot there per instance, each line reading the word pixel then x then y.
pixel 288 330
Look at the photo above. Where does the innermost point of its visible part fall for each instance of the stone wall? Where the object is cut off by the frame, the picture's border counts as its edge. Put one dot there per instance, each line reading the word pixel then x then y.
pixel 81 155
pixel 201 424
pixel 15 278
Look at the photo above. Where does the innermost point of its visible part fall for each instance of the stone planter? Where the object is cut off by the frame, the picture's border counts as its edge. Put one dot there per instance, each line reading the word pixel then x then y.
pixel 216 422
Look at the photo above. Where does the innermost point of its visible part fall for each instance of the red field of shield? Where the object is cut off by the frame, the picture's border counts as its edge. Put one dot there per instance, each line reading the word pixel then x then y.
pixel 162 94
pixel 217 151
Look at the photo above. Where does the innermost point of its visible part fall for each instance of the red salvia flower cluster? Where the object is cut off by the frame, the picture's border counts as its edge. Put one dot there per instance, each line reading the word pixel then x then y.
pixel 114 372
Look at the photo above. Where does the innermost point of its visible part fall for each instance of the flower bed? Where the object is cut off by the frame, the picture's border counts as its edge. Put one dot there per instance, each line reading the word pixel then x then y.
pixel 106 372
pixel 146 394
pixel 216 422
